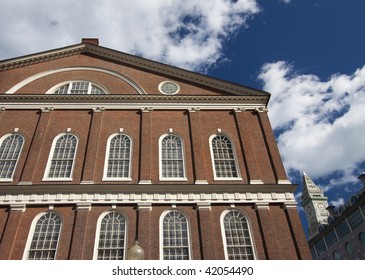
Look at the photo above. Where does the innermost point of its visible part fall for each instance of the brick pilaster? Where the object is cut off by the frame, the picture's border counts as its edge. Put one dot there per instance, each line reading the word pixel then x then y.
pixel 79 232
pixel 196 147
pixel 245 129
pixel 145 146
pixel 10 232
pixel 36 146
pixel 272 148
pixel 297 233
pixel 143 233
pixel 206 231
pixel 268 231
pixel 92 147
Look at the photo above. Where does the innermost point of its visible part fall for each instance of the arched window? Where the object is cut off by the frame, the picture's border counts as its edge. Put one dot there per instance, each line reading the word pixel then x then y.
pixel 61 158
pixel 77 87
pixel 172 166
pixel 10 148
pixel 223 157
pixel 175 236
pixel 236 236
pixel 111 237
pixel 118 158
pixel 45 236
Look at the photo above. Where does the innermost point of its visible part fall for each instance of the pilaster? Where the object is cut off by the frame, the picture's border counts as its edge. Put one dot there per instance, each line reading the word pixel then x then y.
pixel 32 158
pixel 267 230
pixel 197 153
pixel 92 146
pixel 145 146
pixel 206 231
pixel 10 232
pixel 272 148
pixel 79 231
pixel 143 230
pixel 297 233
pixel 244 127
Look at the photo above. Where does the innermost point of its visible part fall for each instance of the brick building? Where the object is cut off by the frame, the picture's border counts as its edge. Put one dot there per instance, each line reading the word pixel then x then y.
pixel 334 234
pixel 99 148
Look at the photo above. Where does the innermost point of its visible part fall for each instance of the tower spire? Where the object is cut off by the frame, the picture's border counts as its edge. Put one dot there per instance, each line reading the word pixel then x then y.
pixel 315 205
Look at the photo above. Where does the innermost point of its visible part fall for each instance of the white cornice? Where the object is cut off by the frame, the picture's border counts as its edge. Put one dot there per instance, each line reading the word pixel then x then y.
pixel 129 102
pixel 146 198
pixel 41 57
pixel 133 61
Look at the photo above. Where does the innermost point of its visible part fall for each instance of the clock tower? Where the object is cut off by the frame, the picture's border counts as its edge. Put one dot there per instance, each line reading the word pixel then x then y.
pixel 315 206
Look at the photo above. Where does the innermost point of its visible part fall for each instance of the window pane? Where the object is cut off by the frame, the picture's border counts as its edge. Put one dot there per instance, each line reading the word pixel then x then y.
pixel 63 157
pixel 79 87
pixel 9 153
pixel 112 237
pixel 45 237
pixel 238 239
pixel 355 219
pixel 119 157
pixel 172 159
pixel 223 157
pixel 175 236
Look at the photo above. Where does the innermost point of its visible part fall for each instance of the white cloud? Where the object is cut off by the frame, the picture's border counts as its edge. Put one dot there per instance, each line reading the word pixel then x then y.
pixel 186 33
pixel 337 203
pixel 320 124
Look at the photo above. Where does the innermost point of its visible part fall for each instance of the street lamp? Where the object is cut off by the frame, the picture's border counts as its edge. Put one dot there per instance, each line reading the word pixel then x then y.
pixel 135 252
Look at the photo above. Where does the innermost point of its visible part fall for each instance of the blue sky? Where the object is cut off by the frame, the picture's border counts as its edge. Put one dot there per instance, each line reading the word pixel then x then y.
pixel 309 54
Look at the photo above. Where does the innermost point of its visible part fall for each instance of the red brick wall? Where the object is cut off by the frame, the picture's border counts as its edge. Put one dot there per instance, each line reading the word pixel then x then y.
pixel 283 239
pixel 148 81
pixel 112 120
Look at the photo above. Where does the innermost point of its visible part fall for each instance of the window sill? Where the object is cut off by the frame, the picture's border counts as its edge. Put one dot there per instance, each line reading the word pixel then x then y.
pixel 227 179
pixel 173 179
pixel 117 179
pixel 6 180
pixel 57 179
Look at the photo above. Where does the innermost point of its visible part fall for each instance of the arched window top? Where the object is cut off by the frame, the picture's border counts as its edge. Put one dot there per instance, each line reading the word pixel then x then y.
pixel 10 148
pixel 172 163
pixel 44 236
pixel 77 87
pixel 118 158
pixel 236 233
pixel 111 238
pixel 61 158
pixel 175 243
pixel 224 158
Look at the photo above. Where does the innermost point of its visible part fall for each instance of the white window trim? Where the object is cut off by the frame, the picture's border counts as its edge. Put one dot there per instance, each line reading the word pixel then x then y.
pixel 31 234
pixel 238 178
pixel 97 233
pixel 161 231
pixel 50 156
pixel 161 178
pixel 17 160
pixel 105 172
pixel 54 88
pixel 224 238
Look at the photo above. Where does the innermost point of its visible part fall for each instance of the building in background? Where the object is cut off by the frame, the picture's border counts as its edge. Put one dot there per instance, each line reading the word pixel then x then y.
pixel 99 148
pixel 334 234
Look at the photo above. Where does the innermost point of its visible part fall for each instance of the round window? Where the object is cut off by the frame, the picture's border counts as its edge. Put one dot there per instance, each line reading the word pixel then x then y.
pixel 169 88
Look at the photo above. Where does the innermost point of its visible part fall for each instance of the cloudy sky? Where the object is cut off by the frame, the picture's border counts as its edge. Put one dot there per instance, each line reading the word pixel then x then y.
pixel 310 54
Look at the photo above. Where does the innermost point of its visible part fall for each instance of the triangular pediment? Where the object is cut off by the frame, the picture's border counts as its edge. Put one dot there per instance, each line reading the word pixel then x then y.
pixel 140 63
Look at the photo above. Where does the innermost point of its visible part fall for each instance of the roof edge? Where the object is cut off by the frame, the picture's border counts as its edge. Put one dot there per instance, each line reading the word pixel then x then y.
pixel 131 60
